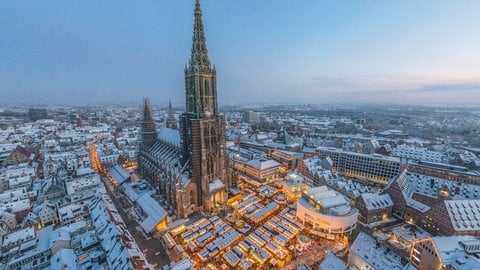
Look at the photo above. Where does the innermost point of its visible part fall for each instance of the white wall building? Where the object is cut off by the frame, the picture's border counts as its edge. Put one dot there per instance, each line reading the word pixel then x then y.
pixel 326 212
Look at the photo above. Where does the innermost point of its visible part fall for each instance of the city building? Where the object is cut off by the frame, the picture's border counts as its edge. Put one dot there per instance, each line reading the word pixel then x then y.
pixel 440 206
pixel 32 249
pixel 446 252
pixel 18 155
pixel 370 147
pixel 108 155
pixel 447 171
pixel 5 150
pixel 294 186
pixel 288 160
pixel 71 213
pixel 316 170
pixel 118 175
pixel 259 170
pixel 9 220
pixel 332 262
pixel 47 213
pixel 370 168
pixel 366 253
pixel 214 192
pixel 326 213
pixel 120 250
pixel 154 217
pixel 64 259
pixel 50 216
pixel 251 117
pixel 374 207
pixel 417 153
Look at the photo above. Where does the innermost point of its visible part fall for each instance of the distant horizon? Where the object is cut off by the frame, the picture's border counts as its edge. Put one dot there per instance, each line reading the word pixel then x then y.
pixel 271 52
pixel 242 105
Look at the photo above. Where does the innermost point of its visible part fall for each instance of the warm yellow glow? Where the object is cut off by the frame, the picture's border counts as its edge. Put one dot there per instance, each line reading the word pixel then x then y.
pixel 161 225
pixel 234 199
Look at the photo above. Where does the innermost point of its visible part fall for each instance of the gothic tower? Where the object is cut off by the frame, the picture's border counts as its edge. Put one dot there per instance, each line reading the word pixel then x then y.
pixel 171 121
pixel 148 133
pixel 202 127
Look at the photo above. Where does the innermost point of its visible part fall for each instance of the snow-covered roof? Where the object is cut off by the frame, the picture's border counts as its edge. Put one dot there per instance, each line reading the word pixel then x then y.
pixel 286 153
pixel 409 232
pixel 59 235
pixel 215 185
pixel 333 201
pixel 17 171
pixel 327 199
pixel 374 156
pixel 452 252
pixel 376 255
pixel 40 245
pixel 317 190
pixel 376 201
pixel 16 206
pixel 185 264
pixel 155 213
pixel 417 205
pixel 70 210
pixel 82 183
pixel 169 135
pixel 464 214
pixel 332 262
pixel 411 152
pixel 119 174
pixel 449 243
pixel 84 171
pixel 166 156
pixel 263 164
pixel 296 177
pixel 136 189
pixel 18 236
pixel 74 227
pixel 110 227
pixel 64 259
pixel 12 182
pixel 430 186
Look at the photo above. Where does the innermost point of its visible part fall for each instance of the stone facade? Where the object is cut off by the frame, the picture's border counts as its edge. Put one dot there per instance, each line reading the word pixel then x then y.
pixel 202 126
pixel 188 166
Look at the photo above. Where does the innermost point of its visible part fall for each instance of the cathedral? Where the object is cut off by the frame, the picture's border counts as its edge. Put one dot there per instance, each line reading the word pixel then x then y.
pixel 187 165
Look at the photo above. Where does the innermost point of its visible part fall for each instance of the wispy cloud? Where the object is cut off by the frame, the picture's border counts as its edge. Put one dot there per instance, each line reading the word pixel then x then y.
pixel 450 87
pixel 344 91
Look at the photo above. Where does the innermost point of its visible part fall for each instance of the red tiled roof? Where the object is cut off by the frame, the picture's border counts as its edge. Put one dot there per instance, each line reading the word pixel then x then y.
pixel 22 151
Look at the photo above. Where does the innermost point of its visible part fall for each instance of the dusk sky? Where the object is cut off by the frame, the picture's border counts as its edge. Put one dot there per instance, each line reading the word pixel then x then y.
pixel 265 51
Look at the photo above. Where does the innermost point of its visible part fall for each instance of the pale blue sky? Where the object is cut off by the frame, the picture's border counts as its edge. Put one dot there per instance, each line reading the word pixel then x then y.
pixel 268 51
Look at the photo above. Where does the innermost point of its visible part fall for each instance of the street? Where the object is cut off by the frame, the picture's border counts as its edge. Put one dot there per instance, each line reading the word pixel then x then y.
pixel 152 248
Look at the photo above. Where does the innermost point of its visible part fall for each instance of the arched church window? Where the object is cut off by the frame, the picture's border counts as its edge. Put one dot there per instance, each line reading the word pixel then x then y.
pixel 192 197
pixel 207 87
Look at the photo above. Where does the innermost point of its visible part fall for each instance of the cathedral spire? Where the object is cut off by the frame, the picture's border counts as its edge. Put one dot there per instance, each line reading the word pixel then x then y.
pixel 171 121
pixel 199 58
pixel 148 130
pixel 147 111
